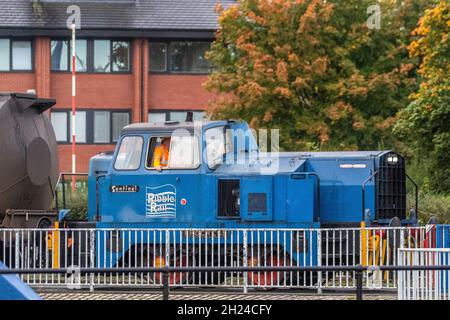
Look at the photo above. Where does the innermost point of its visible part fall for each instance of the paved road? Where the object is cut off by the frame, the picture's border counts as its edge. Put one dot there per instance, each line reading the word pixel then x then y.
pixel 136 295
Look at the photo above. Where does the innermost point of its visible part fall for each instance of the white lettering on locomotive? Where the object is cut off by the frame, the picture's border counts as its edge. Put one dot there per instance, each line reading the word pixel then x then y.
pixel 161 202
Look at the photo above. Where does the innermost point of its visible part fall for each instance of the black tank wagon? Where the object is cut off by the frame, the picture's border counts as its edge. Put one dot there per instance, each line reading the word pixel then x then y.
pixel 28 161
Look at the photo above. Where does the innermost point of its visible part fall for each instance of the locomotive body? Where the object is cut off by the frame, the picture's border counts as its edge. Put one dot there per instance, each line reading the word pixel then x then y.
pixel 244 187
pixel 217 178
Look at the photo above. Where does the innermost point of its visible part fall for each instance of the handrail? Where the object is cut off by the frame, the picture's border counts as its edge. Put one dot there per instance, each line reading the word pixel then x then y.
pixel 166 270
pixel 364 193
pixel 416 192
pixel 318 187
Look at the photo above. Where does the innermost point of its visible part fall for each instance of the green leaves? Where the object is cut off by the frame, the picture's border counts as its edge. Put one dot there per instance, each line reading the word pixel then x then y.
pixel 313 69
pixel 426 121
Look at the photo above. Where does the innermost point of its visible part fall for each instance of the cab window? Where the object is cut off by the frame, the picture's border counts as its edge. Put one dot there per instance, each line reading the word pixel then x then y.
pixel 130 152
pixel 218 144
pixel 175 152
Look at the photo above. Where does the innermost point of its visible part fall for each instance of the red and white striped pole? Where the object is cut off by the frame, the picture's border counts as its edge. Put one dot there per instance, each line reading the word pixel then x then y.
pixel 74 68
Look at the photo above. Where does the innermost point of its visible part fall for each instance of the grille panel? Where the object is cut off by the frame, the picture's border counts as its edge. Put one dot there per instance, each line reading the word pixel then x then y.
pixel 391 187
pixel 228 198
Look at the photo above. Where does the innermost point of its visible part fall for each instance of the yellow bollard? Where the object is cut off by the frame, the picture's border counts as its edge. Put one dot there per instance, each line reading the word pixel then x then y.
pixel 363 244
pixel 55 246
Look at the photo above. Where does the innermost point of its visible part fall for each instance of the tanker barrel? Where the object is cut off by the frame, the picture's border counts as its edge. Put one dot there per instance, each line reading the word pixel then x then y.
pixel 29 164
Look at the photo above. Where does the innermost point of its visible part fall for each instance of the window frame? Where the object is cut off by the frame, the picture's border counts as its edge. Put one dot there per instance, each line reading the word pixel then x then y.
pixel 166 44
pixel 169 50
pixel 169 134
pixel 109 131
pixel 90 55
pixel 118 149
pixel 168 111
pixel 232 146
pixel 32 54
pixel 66 126
pixel 90 125
pixel 111 118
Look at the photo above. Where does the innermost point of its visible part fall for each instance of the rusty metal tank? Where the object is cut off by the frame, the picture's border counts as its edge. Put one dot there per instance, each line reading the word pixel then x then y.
pixel 29 166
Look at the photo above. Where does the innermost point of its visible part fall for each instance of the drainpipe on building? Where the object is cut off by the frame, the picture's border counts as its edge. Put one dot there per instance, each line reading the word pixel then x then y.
pixel 142 117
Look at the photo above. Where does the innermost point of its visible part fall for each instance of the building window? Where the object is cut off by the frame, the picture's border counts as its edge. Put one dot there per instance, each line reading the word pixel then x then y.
pixel 119 121
pixel 189 57
pixel 104 56
pixel 61 52
pixel 92 126
pixel 4 55
pixel 158 58
pixel 62 125
pixel 163 116
pixel 102 127
pixel 182 57
pixel 111 56
pixel 59 122
pixel 80 127
pixel 157 117
pixel 15 55
pixel 60 55
pixel 120 56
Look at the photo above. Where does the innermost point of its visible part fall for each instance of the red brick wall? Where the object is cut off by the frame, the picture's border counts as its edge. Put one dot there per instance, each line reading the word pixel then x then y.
pixel 42 66
pixel 84 153
pixel 93 90
pixel 171 91
pixel 16 82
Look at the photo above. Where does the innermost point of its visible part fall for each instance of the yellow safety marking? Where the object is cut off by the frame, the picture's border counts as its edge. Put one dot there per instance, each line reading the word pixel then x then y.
pixel 383 257
pixel 55 246
pixel 363 244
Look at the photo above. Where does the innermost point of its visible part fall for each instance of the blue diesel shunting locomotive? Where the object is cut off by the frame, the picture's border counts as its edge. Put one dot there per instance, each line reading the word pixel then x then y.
pixel 217 178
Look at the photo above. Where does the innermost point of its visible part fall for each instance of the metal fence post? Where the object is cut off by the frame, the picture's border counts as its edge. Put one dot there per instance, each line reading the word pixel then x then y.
pixel 166 287
pixel 402 238
pixel 92 258
pixel 167 252
pixel 319 261
pixel 245 254
pixel 400 275
pixel 17 250
pixel 359 282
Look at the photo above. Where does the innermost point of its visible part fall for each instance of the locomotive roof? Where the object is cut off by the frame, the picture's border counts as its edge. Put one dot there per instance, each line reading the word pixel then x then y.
pixel 336 154
pixel 172 126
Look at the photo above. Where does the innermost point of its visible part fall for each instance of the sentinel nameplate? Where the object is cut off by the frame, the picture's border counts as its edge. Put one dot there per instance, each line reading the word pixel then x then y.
pixel 115 189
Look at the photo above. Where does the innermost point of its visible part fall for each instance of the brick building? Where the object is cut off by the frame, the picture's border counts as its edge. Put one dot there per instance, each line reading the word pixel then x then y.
pixel 137 61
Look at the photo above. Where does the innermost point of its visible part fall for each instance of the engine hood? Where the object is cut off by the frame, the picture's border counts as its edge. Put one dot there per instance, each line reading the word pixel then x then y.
pixel 264 163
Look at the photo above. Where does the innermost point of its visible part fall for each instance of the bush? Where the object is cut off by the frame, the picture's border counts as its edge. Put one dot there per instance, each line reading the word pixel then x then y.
pixel 432 205
pixel 75 202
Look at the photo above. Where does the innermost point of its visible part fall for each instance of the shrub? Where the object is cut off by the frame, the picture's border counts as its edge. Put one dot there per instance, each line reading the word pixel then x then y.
pixel 75 202
pixel 432 205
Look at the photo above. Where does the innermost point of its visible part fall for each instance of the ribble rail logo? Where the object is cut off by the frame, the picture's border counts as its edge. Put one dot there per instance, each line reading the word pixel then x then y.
pixel 161 202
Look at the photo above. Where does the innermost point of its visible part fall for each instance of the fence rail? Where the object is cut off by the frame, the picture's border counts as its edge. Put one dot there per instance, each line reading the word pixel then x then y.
pixel 181 249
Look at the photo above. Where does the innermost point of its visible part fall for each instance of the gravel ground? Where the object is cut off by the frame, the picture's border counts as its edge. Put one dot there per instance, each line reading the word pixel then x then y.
pixel 205 296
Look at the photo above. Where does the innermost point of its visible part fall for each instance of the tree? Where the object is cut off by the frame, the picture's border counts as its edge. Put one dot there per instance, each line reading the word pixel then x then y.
pixel 314 70
pixel 426 121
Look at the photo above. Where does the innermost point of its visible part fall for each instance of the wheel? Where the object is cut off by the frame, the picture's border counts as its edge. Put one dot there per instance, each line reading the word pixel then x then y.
pixel 268 278
pixel 175 278
pixel 44 223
